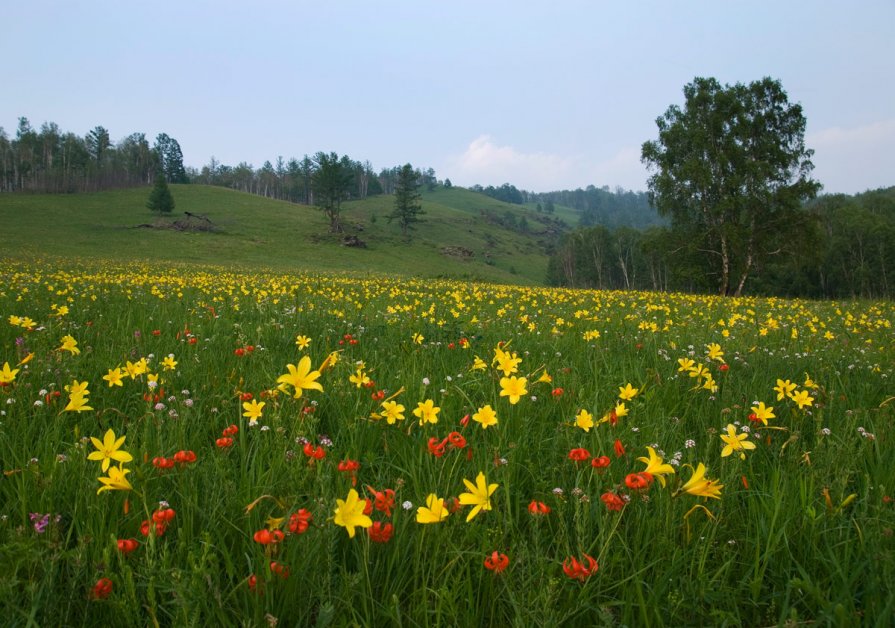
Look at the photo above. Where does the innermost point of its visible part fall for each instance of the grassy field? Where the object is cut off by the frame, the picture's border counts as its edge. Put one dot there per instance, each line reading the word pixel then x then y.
pixel 261 233
pixel 653 459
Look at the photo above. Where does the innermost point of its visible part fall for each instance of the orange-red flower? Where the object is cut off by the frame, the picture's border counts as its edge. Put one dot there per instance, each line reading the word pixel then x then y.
pixel 299 521
pixel 316 453
pixel 268 537
pixel 380 532
pixel 383 501
pixel 102 589
pixel 613 501
pixel 160 462
pixel 638 481
pixel 580 570
pixel 436 447
pixel 456 439
pixel 579 454
pixel 224 442
pixel 497 562
pixel 600 462
pixel 280 569
pixel 164 515
pixel 230 430
pixel 185 456
pixel 126 546
pixel 619 448
pixel 538 509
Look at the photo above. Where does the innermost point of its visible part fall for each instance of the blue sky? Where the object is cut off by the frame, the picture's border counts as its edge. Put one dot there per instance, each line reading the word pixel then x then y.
pixel 544 95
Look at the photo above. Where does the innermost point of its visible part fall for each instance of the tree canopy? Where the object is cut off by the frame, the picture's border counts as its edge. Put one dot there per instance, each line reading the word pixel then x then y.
pixel 407 199
pixel 731 170
pixel 331 182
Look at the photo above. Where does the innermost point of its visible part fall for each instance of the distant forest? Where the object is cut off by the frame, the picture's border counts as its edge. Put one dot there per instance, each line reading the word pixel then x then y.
pixel 846 248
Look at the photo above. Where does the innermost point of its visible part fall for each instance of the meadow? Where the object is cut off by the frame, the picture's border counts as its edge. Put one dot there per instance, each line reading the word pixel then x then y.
pixel 183 445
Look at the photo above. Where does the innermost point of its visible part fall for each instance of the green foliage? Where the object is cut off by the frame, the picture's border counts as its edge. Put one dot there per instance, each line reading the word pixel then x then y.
pixel 732 168
pixel 160 199
pixel 330 183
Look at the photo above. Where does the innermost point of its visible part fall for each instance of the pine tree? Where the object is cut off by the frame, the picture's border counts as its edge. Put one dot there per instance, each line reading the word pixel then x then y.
pixel 407 199
pixel 160 199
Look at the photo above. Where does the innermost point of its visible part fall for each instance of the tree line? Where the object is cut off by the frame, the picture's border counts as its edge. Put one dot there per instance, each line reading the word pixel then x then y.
pixel 53 161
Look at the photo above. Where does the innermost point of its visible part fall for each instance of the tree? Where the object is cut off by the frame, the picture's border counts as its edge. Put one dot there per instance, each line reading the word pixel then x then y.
pixel 407 199
pixel 170 158
pixel 330 183
pixel 731 170
pixel 160 199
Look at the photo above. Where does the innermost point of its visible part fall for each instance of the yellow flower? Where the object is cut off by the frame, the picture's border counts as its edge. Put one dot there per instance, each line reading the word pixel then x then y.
pixel 714 352
pixel 301 377
pixel 253 410
pixel 418 339
pixel 7 375
pixel 735 442
pixel 627 392
pixel 809 383
pixel 115 480
pixel 392 411
pixel 359 378
pixel 108 449
pixel 802 398
pixel 69 344
pixel 169 363
pixel 427 412
pixel 350 513
pixel 77 403
pixel 513 387
pixel 784 389
pixel 544 378
pixel 621 411
pixel 506 361
pixel 478 364
pixel 584 420
pixel 685 365
pixel 302 342
pixel 655 465
pixel 114 377
pixel 486 416
pixel 699 486
pixel 763 413
pixel 479 495
pixel 699 371
pixel 433 512
pixel 136 369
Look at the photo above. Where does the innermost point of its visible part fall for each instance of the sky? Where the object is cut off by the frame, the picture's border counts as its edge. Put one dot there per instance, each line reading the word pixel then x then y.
pixel 542 95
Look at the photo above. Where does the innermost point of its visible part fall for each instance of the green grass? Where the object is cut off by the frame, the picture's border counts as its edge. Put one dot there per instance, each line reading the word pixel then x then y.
pixel 261 233
pixel 802 531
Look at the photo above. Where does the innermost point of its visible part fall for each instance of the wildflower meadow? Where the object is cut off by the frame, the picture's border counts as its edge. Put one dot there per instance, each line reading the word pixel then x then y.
pixel 184 445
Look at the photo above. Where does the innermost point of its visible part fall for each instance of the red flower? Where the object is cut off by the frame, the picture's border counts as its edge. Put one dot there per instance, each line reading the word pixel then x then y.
pixel 164 516
pixel 457 440
pixel 436 447
pixel 315 453
pixel 379 395
pixel 578 570
pixel 194 340
pixel 349 465
pixel 497 562
pixel 299 521
pixel 557 392
pixel 156 332
pixel 102 589
pixel 185 456
pixel 638 481
pixel 224 442
pixel 464 421
pixel 383 501
pixel 613 418
pixel 368 506
pixel 126 546
pixel 158 529
pixel 230 430
pixel 250 348
pixel 280 569
pixel 619 448
pixel 268 537
pixel 239 353
pixel 246 396
pixel 379 532
pixel 579 454
pixel 254 585
pixel 724 368
pixel 450 345
pixel 612 501
pixel 162 463
pixel 452 504
pixel 600 463
pixel 538 509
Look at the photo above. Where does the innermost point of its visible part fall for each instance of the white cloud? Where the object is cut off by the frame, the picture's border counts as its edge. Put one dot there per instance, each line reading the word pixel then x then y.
pixel 854 159
pixel 488 163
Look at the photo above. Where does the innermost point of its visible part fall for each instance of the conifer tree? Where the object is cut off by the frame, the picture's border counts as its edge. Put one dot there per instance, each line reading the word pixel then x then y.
pixel 407 199
pixel 160 199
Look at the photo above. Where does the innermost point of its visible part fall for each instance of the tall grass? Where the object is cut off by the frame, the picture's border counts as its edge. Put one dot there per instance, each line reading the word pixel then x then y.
pixel 803 529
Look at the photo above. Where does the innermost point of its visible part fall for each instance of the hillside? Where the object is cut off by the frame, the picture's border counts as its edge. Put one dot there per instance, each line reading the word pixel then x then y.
pixel 466 235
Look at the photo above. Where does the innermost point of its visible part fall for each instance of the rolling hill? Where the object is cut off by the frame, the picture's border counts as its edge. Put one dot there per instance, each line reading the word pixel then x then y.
pixel 466 235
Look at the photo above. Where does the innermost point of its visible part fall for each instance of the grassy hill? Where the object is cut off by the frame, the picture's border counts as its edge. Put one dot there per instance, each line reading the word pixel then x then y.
pixel 466 235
